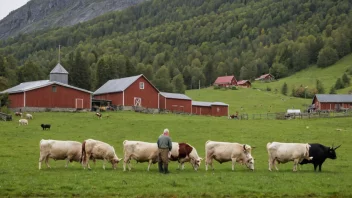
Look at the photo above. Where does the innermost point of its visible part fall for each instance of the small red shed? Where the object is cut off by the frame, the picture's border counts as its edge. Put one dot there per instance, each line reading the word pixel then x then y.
pixel 265 77
pixel 130 91
pixel 39 95
pixel 244 83
pixel 225 81
pixel 210 108
pixel 175 102
pixel 332 102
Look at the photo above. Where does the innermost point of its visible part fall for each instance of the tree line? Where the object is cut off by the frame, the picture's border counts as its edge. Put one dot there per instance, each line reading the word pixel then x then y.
pixel 177 44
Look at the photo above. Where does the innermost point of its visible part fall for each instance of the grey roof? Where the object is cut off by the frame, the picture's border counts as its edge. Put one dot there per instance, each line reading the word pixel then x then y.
pixel 26 86
pixel 334 97
pixel 208 104
pixel 59 69
pixel 116 85
pixel 175 96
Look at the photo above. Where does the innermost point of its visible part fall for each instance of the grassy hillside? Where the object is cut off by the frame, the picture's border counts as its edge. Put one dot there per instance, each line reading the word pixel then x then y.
pixel 20 177
pixel 250 100
pixel 309 76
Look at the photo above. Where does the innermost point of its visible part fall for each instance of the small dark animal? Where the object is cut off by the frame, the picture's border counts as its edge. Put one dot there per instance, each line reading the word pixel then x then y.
pixel 99 115
pixel 45 126
pixel 319 153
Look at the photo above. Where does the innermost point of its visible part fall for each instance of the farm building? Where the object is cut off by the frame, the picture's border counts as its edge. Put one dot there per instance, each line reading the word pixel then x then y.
pixel 210 108
pixel 265 77
pixel 54 94
pixel 333 102
pixel 130 91
pixel 244 83
pixel 225 81
pixel 175 102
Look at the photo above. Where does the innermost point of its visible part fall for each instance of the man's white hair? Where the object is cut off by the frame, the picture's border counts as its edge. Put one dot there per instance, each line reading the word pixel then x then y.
pixel 166 131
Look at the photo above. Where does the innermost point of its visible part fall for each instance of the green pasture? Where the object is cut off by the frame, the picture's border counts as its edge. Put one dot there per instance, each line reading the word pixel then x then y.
pixel 308 77
pixel 19 154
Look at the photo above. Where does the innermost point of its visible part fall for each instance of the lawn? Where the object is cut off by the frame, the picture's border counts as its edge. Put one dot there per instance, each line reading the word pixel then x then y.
pixel 20 177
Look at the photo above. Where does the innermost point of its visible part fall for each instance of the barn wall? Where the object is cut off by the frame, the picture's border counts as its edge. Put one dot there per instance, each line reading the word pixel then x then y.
pixel 179 105
pixel 201 110
pixel 116 98
pixel 149 94
pixel 16 100
pixel 162 102
pixel 64 97
pixel 217 110
pixel 333 105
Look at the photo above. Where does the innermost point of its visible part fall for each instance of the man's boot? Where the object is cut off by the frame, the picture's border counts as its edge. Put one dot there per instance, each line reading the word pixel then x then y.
pixel 161 170
pixel 166 168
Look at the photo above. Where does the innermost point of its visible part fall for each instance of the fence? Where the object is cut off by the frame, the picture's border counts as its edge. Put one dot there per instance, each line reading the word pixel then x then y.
pixel 305 115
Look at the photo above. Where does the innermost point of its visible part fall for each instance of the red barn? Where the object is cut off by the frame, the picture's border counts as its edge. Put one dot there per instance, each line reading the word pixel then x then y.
pixel 130 91
pixel 332 102
pixel 175 102
pixel 210 108
pixel 39 95
pixel 54 94
pixel 244 83
pixel 225 81
pixel 265 77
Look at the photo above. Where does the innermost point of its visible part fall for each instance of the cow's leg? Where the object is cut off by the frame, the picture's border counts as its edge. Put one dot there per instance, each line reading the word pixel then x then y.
pixel 182 165
pixel 149 164
pixel 315 167
pixel 67 161
pixel 320 167
pixel 275 164
pixel 233 163
pixel 41 158
pixel 295 163
pixel 47 162
pixel 125 161
pixel 270 161
pixel 104 163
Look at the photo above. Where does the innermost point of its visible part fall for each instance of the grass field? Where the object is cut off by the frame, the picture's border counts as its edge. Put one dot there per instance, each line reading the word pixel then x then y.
pixel 19 154
pixel 308 77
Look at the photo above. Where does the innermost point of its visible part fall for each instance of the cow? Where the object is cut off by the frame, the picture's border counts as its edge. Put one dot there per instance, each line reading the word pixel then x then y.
pixel 285 152
pixel 319 153
pixel 95 149
pixel 22 122
pixel 228 151
pixel 29 116
pixel 45 126
pixel 139 151
pixel 183 152
pixel 18 114
pixel 59 150
pixel 99 115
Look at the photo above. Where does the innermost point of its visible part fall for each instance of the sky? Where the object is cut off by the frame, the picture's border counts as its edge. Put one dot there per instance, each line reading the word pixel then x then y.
pixel 6 6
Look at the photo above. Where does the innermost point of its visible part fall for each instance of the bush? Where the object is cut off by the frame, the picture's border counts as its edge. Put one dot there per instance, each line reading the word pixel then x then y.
pixel 302 92
pixel 268 89
pixel 216 87
pixel 234 88
pixel 4 109
pixel 284 89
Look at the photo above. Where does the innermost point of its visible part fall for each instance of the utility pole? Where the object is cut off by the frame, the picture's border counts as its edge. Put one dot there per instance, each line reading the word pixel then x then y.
pixel 59 53
pixel 199 85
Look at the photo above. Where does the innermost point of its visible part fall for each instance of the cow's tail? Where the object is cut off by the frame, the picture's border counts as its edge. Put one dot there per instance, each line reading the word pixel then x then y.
pixel 83 156
pixel 307 150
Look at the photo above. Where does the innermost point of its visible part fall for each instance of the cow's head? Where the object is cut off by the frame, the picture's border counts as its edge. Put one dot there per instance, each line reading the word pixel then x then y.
pixel 249 162
pixel 196 163
pixel 115 161
pixel 331 153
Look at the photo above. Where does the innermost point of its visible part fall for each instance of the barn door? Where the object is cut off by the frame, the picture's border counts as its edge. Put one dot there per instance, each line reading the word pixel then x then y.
pixel 137 102
pixel 79 103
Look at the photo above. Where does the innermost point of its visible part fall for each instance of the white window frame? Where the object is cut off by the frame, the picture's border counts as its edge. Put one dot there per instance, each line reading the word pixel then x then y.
pixel 141 85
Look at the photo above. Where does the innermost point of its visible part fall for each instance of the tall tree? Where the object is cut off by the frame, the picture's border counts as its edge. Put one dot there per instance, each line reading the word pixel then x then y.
pixel 80 72
pixel 320 87
pixel 178 84
pixel 327 56
pixel 162 79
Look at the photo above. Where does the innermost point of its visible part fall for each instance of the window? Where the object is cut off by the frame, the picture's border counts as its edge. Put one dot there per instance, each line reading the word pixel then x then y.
pixel 53 88
pixel 141 85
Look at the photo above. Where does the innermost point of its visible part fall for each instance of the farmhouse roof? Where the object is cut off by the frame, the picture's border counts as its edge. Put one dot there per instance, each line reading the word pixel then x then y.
pixel 59 69
pixel 175 96
pixel 208 104
pixel 263 76
pixel 224 79
pixel 242 82
pixel 333 97
pixel 27 86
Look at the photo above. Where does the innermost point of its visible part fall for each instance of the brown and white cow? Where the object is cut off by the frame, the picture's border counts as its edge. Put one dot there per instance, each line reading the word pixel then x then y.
pixel 59 150
pixel 228 151
pixel 183 152
pixel 285 152
pixel 95 149
pixel 139 151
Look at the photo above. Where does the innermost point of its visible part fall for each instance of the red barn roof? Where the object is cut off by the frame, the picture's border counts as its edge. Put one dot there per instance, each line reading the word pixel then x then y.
pixel 264 76
pixel 224 79
pixel 241 82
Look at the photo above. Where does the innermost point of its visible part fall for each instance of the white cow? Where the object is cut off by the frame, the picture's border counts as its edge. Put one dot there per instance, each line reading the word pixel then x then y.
pixel 59 150
pixel 22 122
pixel 228 151
pixel 95 149
pixel 285 152
pixel 139 151
pixel 29 116
pixel 183 152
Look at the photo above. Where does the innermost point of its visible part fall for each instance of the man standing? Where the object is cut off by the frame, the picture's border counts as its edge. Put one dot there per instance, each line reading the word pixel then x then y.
pixel 165 146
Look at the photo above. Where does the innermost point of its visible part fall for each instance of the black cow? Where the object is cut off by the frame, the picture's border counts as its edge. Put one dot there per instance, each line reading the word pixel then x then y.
pixel 319 153
pixel 45 126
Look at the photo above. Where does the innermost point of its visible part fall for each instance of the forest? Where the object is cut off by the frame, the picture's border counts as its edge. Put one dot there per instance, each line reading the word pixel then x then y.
pixel 178 43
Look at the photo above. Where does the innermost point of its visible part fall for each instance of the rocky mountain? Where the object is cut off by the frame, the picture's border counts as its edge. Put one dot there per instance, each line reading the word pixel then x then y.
pixel 43 14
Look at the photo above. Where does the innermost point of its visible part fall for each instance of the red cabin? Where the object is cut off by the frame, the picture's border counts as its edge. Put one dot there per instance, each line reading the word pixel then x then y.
pixel 175 102
pixel 225 81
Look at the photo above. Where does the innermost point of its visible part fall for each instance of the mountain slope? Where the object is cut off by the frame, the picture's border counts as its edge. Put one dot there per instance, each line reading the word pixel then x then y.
pixel 44 14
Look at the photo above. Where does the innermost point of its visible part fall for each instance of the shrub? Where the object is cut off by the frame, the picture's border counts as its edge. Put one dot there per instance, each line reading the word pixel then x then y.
pixel 4 109
pixel 216 87
pixel 234 88
pixel 268 88
pixel 284 89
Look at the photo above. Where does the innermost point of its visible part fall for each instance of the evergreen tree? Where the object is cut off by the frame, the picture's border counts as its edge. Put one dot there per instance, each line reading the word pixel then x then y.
pixel 29 72
pixel 345 80
pixel 327 56
pixel 178 84
pixel 2 66
pixel 102 73
pixel 339 84
pixel 320 87
pixel 80 72
pixel 284 89
pixel 162 79
pixel 332 90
